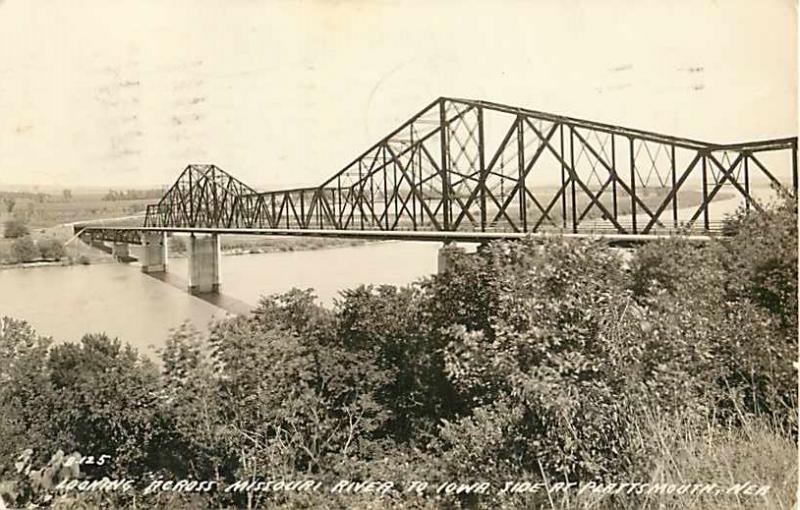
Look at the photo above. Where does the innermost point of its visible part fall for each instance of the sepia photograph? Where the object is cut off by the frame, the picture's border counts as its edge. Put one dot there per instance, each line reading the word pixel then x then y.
pixel 353 254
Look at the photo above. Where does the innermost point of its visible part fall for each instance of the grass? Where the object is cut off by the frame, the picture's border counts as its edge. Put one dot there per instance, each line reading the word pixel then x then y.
pixel 681 450
pixel 56 210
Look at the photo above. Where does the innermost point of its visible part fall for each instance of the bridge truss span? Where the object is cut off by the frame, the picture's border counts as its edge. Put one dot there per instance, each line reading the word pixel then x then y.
pixel 475 166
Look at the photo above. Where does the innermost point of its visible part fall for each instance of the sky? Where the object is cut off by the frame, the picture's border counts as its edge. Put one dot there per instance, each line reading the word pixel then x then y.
pixel 285 93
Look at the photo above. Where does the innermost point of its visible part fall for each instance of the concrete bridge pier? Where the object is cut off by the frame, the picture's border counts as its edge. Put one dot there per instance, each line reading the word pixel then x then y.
pixel 121 251
pixel 154 252
pixel 445 258
pixel 204 256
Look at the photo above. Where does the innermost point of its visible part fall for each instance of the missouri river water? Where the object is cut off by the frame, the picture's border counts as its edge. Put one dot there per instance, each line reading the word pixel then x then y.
pixel 120 300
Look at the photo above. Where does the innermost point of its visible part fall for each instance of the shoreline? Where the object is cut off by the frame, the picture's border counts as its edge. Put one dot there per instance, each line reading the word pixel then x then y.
pixel 227 253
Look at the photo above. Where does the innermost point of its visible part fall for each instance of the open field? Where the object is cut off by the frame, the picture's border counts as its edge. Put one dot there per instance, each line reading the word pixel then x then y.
pixel 53 210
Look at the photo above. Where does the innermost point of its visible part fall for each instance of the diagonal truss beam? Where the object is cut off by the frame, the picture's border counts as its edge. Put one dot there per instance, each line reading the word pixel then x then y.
pixel 439 171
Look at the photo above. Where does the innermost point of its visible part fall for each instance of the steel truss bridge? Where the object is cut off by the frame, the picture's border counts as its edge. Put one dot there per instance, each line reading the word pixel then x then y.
pixel 477 170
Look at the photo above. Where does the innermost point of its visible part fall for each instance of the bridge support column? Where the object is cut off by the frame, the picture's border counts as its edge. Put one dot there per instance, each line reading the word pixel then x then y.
pixel 120 251
pixel 154 252
pixel 446 254
pixel 204 255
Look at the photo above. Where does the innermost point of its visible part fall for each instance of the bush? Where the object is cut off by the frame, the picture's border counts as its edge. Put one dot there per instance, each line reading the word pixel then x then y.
pixel 51 249
pixel 739 297
pixel 14 229
pixel 24 249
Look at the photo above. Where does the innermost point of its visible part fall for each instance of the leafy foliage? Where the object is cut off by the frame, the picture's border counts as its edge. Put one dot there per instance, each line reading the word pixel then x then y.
pixel 15 227
pixel 554 360
pixel 51 249
pixel 24 249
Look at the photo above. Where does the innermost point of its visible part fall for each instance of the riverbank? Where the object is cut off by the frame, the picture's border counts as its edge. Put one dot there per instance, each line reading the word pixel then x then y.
pixel 78 253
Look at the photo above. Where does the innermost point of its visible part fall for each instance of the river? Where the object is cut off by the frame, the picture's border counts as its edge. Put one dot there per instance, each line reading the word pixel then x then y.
pixel 67 301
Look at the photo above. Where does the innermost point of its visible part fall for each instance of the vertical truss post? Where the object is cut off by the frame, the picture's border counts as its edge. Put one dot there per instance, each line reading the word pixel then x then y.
pixel 412 174
pixel 336 222
pixel 482 169
pixel 444 166
pixel 705 194
pixel 385 190
pixel 675 194
pixel 422 197
pixel 633 184
pixel 360 197
pixel 794 166
pixel 272 206
pixel 191 199
pixel 303 209
pixel 421 187
pixel 747 181
pixel 215 209
pixel 287 199
pixel 372 199
pixel 337 201
pixel 523 213
pixel 573 176
pixel 563 180
pixel 614 176
pixel 319 198
pixel 395 188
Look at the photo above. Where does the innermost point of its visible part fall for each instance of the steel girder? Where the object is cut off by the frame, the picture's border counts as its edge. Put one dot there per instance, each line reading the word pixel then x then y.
pixel 464 165
pixel 90 234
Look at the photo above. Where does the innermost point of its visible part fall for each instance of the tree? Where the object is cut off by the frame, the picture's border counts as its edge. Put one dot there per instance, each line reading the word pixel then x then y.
pixel 24 397
pixel 51 249
pixel 24 249
pixel 393 325
pixel 272 393
pixel 67 193
pixel 105 402
pixel 15 228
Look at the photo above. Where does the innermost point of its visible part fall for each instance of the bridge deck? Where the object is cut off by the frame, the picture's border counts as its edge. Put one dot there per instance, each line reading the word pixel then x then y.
pixel 132 235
